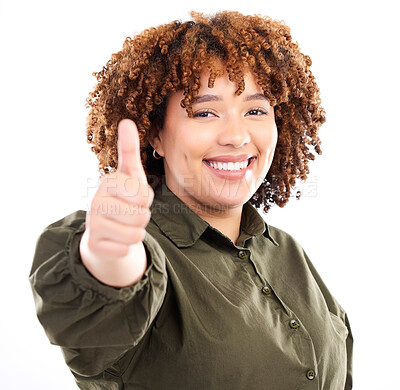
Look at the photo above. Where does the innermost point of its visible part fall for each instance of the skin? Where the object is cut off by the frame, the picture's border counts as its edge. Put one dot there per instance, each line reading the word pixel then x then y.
pixel 111 247
pixel 223 124
pixel 224 127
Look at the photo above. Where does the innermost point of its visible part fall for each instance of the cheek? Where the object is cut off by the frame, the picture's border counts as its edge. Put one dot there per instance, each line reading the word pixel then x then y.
pixel 274 139
pixel 169 143
pixel 267 142
pixel 180 146
pixel 195 144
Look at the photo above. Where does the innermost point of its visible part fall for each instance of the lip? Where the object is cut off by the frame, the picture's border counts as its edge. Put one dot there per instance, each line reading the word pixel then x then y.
pixel 230 158
pixel 231 175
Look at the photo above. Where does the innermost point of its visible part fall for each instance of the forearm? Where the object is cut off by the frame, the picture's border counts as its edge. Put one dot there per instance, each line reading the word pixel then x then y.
pixel 93 322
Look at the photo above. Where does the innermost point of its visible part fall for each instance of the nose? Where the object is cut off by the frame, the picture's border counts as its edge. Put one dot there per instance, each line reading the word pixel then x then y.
pixel 234 133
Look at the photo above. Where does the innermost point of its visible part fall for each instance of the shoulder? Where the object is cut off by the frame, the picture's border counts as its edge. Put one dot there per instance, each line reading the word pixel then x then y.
pixel 58 234
pixel 70 222
pixel 301 268
pixel 283 239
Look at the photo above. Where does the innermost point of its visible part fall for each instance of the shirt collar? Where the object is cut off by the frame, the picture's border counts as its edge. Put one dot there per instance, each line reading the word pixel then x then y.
pixel 184 227
pixel 253 224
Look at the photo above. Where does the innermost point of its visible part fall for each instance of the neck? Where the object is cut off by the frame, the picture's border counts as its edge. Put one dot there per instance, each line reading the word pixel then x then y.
pixel 227 221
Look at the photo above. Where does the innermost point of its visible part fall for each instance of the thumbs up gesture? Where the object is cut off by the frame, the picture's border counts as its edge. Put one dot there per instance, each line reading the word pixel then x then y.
pixel 111 247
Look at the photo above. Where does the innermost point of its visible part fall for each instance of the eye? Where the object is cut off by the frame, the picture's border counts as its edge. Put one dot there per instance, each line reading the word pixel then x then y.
pixel 203 114
pixel 257 112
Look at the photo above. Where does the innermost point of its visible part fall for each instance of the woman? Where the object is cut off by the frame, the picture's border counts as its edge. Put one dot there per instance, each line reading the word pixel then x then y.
pixel 186 287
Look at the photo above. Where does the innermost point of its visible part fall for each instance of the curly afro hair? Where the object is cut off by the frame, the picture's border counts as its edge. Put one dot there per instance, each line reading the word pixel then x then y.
pixel 136 83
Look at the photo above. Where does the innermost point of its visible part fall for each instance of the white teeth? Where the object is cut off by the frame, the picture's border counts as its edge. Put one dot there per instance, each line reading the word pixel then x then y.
pixel 230 166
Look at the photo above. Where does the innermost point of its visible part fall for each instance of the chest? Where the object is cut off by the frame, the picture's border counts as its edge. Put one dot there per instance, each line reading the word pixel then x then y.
pixel 232 318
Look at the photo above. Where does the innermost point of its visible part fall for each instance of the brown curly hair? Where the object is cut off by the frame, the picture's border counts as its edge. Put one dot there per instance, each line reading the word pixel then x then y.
pixel 137 81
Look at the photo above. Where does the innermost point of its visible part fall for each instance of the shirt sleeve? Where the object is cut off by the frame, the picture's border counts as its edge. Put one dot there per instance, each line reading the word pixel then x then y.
pixel 337 310
pixel 95 324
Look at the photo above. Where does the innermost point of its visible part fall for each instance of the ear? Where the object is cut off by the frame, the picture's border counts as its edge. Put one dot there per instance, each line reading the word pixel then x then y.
pixel 155 140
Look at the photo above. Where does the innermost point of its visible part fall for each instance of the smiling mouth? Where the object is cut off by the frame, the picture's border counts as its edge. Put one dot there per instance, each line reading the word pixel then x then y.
pixel 229 166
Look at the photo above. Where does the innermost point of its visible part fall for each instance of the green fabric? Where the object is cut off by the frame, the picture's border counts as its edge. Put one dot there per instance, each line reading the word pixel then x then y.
pixel 208 314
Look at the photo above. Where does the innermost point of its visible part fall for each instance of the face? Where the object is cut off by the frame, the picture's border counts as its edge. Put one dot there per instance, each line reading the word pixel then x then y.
pixel 217 159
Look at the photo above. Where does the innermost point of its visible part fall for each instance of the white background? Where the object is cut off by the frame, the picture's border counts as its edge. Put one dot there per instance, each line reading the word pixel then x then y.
pixel 347 220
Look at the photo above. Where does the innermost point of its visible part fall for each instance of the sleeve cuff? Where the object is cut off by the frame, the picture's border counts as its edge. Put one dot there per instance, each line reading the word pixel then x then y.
pixel 155 272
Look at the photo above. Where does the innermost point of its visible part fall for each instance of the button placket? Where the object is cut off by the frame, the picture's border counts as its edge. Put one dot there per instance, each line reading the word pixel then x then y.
pixel 299 331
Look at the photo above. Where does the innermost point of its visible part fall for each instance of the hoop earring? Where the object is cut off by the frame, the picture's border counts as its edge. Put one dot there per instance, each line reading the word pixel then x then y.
pixel 156 155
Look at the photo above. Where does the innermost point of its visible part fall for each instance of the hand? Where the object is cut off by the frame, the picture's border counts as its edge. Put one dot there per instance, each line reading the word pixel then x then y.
pixel 120 209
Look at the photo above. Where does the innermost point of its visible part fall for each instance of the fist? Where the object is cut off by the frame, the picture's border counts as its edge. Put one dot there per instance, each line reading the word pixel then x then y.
pixel 120 209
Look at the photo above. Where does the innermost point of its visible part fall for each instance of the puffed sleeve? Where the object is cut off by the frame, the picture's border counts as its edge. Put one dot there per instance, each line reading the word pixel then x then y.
pixel 94 324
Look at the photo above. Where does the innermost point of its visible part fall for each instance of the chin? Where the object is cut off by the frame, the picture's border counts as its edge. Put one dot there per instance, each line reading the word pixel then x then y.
pixel 226 201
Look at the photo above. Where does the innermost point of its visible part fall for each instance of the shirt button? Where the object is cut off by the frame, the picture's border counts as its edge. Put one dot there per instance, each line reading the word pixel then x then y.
pixel 310 374
pixel 242 254
pixel 294 324
pixel 266 290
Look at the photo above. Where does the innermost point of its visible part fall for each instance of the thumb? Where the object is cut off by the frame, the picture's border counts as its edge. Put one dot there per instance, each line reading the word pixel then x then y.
pixel 129 161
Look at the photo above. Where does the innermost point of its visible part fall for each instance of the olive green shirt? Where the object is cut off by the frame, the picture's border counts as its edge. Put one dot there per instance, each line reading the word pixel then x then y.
pixel 208 313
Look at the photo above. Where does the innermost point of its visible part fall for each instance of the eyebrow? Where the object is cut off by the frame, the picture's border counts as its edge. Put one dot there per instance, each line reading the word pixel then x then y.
pixel 218 98
pixel 255 96
pixel 208 98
